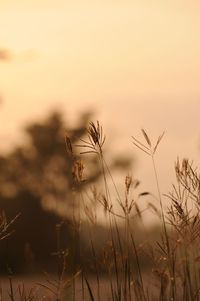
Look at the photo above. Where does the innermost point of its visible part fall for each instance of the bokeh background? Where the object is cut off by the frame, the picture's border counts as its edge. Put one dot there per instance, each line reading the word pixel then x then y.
pixel 132 64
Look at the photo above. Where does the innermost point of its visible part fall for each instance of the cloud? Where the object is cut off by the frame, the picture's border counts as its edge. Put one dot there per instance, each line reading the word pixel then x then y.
pixel 5 55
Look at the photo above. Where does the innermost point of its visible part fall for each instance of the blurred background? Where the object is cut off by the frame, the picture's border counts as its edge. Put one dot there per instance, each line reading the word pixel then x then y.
pixel 129 64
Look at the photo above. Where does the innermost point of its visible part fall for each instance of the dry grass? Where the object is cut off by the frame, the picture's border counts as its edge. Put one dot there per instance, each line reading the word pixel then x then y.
pixel 174 257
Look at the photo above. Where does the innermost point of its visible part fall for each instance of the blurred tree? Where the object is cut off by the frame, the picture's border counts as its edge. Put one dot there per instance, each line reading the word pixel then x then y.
pixel 39 176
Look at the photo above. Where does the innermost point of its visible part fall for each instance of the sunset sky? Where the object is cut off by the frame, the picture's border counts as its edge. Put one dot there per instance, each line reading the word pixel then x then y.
pixel 135 63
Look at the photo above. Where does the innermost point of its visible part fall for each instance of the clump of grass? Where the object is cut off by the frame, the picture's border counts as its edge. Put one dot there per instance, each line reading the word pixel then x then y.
pixel 173 257
pixel 121 273
pixel 174 267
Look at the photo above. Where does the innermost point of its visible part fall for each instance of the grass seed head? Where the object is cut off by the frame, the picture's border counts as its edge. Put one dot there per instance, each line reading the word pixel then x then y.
pixel 128 182
pixel 95 133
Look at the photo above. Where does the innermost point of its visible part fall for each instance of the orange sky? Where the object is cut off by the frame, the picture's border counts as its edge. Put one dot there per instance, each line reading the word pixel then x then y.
pixel 137 59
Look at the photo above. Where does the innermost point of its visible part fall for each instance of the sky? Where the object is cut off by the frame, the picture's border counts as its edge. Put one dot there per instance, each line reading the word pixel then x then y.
pixel 136 64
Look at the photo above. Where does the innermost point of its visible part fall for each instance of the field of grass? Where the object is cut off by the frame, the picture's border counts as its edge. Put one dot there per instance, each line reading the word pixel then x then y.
pixel 117 271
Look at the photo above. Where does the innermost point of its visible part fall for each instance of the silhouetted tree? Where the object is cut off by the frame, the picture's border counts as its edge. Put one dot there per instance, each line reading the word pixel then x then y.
pixel 37 176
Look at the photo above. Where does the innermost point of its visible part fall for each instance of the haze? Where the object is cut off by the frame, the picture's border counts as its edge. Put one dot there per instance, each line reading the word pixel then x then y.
pixel 135 63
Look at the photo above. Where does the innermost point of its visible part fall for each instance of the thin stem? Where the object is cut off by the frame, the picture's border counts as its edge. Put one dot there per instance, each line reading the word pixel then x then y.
pixel 161 204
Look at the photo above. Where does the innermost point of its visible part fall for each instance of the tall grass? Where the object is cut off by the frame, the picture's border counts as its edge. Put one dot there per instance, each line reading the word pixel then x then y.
pixel 175 255
pixel 173 271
